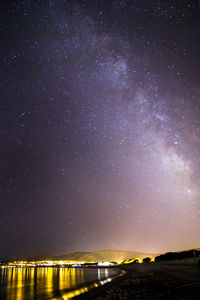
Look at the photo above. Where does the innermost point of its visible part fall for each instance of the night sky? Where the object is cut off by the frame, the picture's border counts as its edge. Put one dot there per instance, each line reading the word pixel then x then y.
pixel 100 126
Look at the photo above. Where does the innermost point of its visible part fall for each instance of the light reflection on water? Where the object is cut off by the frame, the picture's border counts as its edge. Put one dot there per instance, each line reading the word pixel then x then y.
pixel 49 283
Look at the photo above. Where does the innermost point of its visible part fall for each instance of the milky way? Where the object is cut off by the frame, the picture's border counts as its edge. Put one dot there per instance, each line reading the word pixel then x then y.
pixel 100 126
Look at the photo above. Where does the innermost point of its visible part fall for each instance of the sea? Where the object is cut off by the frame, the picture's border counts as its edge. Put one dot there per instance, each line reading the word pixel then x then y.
pixel 41 283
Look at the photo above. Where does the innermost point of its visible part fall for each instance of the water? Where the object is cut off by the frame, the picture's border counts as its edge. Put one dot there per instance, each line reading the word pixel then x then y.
pixel 50 283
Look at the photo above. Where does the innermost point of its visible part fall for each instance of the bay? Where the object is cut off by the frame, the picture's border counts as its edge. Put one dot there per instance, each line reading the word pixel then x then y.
pixel 50 282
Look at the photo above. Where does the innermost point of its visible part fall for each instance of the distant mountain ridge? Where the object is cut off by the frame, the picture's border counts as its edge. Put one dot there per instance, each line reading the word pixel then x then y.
pixel 95 256
pixel 105 255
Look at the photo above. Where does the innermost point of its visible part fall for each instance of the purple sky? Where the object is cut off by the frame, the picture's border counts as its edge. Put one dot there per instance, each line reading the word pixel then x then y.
pixel 100 126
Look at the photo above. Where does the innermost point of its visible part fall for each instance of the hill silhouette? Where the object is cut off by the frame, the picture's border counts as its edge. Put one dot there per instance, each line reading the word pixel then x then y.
pixel 105 255
pixel 112 255
pixel 95 256
pixel 194 253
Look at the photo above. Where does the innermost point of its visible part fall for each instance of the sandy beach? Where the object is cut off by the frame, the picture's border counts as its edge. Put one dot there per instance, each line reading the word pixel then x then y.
pixel 170 280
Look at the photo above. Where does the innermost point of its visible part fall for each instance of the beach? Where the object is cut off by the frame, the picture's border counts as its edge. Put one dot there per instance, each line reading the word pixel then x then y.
pixel 166 280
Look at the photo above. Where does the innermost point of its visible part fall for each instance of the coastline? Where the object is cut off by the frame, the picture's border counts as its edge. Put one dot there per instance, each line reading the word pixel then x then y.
pixel 89 280
pixel 166 280
pixel 85 290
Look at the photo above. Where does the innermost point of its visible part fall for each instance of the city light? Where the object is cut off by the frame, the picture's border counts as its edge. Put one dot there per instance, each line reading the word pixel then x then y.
pixel 69 263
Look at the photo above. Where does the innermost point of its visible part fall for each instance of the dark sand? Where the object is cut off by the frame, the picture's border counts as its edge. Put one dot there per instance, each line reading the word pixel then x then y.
pixel 172 280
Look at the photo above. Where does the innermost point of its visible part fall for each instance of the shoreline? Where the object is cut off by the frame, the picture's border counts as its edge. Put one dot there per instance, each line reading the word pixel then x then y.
pixel 67 293
pixel 86 290
pixel 163 280
pixel 178 279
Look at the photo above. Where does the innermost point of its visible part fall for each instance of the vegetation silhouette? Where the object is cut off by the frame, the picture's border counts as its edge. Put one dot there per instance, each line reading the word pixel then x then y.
pixel 178 255
pixel 147 260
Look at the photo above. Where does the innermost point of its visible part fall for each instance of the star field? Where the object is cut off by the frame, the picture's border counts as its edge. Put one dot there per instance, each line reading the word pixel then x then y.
pixel 100 126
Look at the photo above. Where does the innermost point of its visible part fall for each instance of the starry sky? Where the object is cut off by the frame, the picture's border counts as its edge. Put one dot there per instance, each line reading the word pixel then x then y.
pixel 100 126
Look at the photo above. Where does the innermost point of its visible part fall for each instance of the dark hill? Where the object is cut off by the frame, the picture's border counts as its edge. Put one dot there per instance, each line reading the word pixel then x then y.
pixel 105 255
pixel 96 256
pixel 178 255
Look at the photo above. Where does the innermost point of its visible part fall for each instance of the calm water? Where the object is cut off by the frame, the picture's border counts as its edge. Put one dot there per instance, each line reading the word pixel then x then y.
pixel 49 283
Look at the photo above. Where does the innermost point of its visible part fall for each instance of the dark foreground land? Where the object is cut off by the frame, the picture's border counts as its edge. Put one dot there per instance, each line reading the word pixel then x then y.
pixel 170 280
